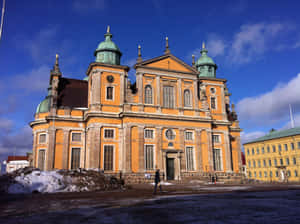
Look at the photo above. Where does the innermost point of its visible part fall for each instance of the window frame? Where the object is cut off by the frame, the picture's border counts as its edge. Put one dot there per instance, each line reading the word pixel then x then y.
pixel 169 101
pixel 146 97
pixel 76 133
pixel 189 103
pixel 153 157
pixel 109 129
pixel 221 159
pixel 185 135
pixel 213 103
pixel 39 136
pixel 149 129
pixel 71 157
pixel 113 157
pixel 106 93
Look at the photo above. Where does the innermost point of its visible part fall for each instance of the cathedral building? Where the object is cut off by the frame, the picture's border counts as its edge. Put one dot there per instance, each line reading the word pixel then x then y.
pixel 176 117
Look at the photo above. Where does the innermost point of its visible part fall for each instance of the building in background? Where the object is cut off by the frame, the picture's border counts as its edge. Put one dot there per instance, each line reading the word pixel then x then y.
pixel 176 117
pixel 16 162
pixel 275 156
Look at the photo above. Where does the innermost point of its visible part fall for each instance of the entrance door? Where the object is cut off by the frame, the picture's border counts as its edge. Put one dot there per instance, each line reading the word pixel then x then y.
pixel 170 168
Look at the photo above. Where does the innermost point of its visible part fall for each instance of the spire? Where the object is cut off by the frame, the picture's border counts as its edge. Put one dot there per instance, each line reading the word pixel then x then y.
pixel 193 60
pixel 139 59
pixel 56 70
pixel 108 35
pixel 167 50
pixel 203 51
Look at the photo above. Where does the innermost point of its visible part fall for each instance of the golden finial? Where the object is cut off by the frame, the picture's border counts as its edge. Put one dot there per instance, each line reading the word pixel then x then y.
pixel 203 45
pixel 139 59
pixel 108 29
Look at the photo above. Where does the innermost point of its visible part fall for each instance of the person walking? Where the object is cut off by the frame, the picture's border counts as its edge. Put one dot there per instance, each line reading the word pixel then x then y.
pixel 157 181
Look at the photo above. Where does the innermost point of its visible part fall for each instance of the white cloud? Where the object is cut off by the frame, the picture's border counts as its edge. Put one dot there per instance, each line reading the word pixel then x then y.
pixel 246 137
pixel 216 46
pixel 34 80
pixel 86 5
pixel 6 125
pixel 273 106
pixel 252 41
pixel 296 45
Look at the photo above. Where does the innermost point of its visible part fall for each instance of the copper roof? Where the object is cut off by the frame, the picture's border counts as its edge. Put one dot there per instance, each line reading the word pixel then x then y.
pixel 72 93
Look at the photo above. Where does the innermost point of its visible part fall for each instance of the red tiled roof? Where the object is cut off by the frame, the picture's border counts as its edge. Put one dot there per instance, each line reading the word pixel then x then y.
pixel 72 93
pixel 14 158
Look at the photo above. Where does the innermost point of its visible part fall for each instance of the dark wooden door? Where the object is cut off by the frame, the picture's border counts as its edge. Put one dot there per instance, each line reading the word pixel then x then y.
pixel 170 169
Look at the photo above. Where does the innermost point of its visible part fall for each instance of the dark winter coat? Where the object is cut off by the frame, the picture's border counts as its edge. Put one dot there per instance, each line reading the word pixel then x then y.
pixel 157 176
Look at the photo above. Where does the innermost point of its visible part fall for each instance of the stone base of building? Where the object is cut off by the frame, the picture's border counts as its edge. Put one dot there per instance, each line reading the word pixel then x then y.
pixel 185 177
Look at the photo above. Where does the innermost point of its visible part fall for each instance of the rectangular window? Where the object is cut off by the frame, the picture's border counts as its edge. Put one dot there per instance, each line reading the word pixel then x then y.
pixel 268 149
pixel 258 163
pixel 213 103
pixel 259 173
pixel 75 158
pixel 257 151
pixel 262 150
pixel 109 93
pixel 298 145
pixel 270 162
pixel 149 133
pixel 42 138
pixel 108 157
pixel 169 96
pixel 188 135
pixel 275 162
pixel 264 162
pixel 189 158
pixel 216 138
pixel 276 173
pixel 285 147
pixel 271 174
pixel 279 148
pixel 265 174
pixel 76 137
pixel 292 146
pixel 248 152
pixel 254 164
pixel 149 157
pixel 274 148
pixel 217 159
pixel 109 133
pixel 281 162
pixel 254 173
pixel 41 159
pixel 252 151
pixel 294 161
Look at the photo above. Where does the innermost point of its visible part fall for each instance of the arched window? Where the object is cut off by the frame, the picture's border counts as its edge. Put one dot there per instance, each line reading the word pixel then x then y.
pixel 148 94
pixel 187 98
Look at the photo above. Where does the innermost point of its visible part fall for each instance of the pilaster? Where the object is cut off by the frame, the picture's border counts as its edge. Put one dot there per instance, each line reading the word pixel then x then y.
pixel 210 151
pixel 227 153
pixel 127 143
pixel 180 96
pixel 141 148
pixel 34 149
pixel 65 149
pixel 51 149
pixel 198 150
pixel 182 147
pixel 159 159
pixel 158 93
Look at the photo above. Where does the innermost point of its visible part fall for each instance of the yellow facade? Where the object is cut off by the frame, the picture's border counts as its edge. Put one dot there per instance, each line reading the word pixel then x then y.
pixel 274 160
pixel 122 129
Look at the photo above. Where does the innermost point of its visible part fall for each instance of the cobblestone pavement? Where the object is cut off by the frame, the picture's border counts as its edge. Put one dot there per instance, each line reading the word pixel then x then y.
pixel 176 204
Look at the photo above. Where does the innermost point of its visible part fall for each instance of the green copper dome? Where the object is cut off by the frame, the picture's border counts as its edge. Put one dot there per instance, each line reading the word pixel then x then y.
pixel 86 78
pixel 107 51
pixel 44 106
pixel 205 65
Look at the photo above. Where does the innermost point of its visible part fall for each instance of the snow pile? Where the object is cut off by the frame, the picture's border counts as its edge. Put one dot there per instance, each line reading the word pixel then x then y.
pixel 163 183
pixel 37 181
pixel 32 180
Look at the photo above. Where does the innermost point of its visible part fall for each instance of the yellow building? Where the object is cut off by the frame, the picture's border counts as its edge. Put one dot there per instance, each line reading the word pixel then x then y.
pixel 175 117
pixel 275 156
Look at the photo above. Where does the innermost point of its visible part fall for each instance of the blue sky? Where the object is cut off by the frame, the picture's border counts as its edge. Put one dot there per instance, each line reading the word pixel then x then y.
pixel 256 45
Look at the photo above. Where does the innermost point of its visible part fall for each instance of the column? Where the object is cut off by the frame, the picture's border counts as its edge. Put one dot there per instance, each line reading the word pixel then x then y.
pixel 227 153
pixel 141 149
pixel 34 150
pixel 180 96
pixel 96 142
pixel 121 148
pixel 122 88
pixel 127 146
pixel 182 147
pixel 198 150
pixel 88 148
pixel 158 136
pixel 65 149
pixel 96 90
pixel 51 149
pixel 158 101
pixel 238 144
pixel 210 151
pixel 196 99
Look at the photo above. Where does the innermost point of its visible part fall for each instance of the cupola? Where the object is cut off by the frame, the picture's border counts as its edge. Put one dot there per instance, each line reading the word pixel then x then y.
pixel 107 51
pixel 205 65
